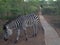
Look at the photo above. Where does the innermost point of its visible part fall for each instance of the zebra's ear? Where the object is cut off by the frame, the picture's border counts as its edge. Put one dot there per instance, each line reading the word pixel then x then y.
pixel 4 27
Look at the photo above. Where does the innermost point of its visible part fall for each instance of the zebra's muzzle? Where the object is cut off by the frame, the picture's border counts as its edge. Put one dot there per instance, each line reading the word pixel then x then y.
pixel 5 39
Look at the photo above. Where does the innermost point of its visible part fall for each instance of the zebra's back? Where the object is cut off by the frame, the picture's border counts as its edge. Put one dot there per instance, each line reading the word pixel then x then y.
pixel 18 23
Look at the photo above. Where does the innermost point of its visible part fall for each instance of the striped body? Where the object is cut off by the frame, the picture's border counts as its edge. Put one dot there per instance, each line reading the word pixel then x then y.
pixel 22 22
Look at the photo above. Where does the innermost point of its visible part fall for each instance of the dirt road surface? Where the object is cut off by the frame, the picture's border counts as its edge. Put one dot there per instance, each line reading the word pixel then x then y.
pixel 38 40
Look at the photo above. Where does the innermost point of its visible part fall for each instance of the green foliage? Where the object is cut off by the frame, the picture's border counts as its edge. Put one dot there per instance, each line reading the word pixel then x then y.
pixel 12 8
pixel 53 8
pixel 49 11
pixel 9 9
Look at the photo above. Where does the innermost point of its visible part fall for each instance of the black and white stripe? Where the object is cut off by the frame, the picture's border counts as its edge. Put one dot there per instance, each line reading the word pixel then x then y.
pixel 22 22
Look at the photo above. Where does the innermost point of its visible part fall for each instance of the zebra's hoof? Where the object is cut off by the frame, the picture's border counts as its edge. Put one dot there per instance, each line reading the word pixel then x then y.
pixel 34 35
pixel 15 41
pixel 26 39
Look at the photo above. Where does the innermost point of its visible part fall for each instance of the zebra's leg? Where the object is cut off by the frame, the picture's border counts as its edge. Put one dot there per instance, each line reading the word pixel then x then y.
pixel 25 32
pixel 35 30
pixel 18 34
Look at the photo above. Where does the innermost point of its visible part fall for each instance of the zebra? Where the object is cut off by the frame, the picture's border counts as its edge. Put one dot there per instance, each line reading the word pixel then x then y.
pixel 21 23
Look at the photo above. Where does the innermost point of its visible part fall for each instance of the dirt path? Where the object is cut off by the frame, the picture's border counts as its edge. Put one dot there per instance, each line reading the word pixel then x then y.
pixel 51 36
pixel 54 21
pixel 39 40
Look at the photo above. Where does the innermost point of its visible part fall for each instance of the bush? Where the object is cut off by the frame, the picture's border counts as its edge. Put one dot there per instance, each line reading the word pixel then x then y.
pixel 50 11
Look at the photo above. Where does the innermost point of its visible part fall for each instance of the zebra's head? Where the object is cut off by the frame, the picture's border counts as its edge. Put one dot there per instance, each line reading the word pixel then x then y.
pixel 7 32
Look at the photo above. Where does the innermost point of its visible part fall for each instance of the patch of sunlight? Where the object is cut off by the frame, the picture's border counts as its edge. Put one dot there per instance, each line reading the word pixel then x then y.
pixel 46 0
pixel 54 0
pixel 25 0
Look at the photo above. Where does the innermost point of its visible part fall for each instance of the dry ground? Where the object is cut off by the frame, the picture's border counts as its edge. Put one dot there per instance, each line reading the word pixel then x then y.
pixel 54 21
